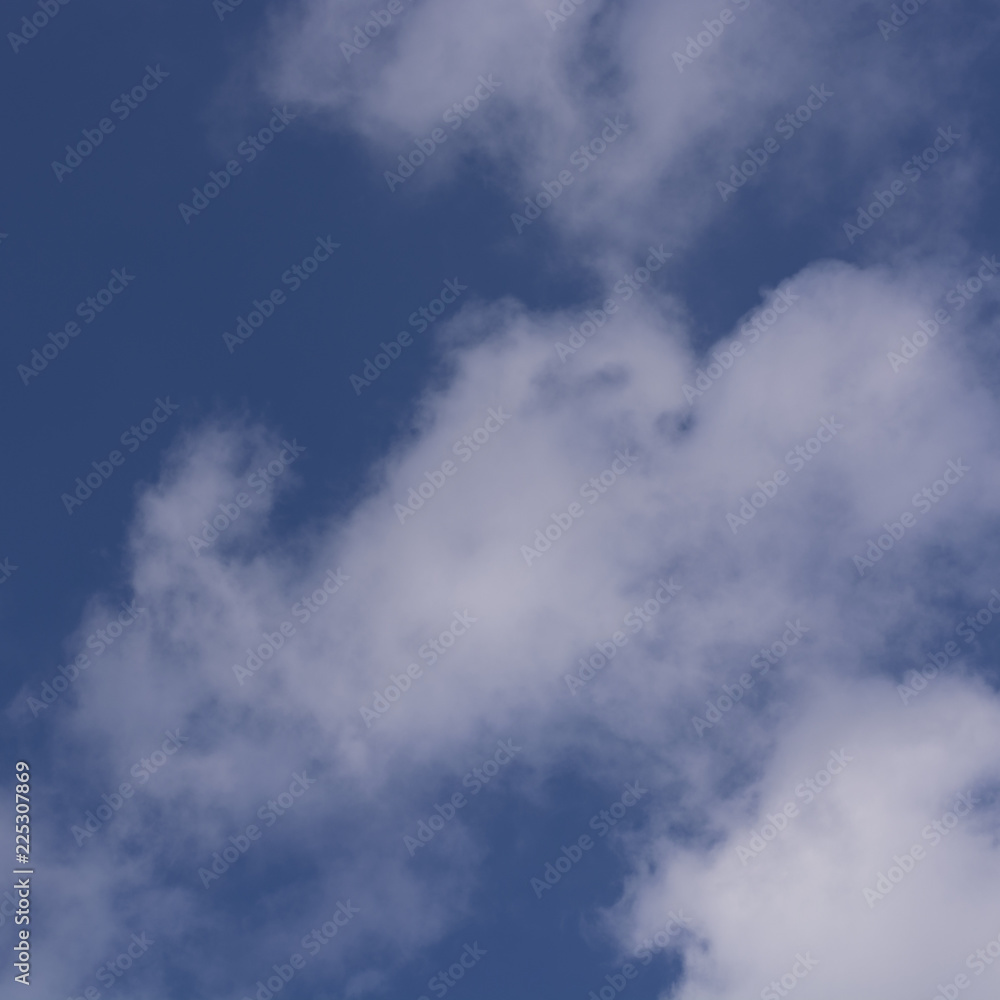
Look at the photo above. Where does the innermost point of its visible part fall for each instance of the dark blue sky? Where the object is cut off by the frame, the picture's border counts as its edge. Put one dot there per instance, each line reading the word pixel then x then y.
pixel 119 208
pixel 161 338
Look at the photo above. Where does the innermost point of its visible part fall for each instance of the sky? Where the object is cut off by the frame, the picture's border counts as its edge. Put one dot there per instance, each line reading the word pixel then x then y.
pixel 500 500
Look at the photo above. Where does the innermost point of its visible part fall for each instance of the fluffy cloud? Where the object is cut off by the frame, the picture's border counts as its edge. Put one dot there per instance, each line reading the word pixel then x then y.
pixel 818 380
pixel 793 473
pixel 695 90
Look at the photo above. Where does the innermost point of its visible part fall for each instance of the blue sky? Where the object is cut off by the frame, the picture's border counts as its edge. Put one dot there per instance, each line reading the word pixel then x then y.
pixel 688 170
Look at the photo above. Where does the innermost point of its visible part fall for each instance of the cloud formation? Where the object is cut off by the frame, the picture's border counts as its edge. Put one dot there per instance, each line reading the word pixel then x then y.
pixel 823 472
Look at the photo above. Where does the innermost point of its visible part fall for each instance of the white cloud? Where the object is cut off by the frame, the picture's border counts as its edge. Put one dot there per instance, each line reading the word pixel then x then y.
pixel 663 516
pixel 687 123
